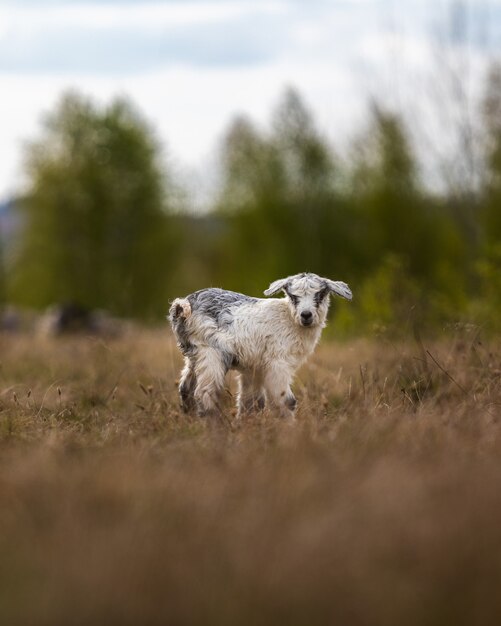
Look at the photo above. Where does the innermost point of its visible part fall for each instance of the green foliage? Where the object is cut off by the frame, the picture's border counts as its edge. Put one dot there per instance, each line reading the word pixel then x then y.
pixel 290 205
pixel 492 115
pixel 485 308
pixel 279 198
pixel 3 285
pixel 98 231
pixel 96 228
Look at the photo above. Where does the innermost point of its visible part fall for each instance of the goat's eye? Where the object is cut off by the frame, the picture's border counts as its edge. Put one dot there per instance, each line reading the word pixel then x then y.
pixel 294 299
pixel 320 295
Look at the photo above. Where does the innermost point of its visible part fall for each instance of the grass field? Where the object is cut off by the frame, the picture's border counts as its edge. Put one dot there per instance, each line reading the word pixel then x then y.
pixel 381 506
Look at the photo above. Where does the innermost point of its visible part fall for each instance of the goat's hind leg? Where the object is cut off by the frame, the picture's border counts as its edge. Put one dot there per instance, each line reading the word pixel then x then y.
pixel 210 371
pixel 187 385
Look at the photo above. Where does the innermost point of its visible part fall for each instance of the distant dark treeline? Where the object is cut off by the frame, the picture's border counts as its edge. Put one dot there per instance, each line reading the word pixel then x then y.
pixel 104 225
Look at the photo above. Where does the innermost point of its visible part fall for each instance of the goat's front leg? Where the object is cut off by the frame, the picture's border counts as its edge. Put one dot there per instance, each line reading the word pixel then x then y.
pixel 250 392
pixel 277 383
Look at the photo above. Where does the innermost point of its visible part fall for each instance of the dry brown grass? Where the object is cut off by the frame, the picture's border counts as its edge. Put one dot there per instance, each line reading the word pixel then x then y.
pixel 381 506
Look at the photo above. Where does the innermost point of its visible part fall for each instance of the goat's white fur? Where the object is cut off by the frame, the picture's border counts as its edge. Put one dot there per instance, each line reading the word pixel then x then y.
pixel 265 340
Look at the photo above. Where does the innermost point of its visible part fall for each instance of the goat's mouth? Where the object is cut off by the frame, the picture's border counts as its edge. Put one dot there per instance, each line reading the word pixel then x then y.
pixel 306 323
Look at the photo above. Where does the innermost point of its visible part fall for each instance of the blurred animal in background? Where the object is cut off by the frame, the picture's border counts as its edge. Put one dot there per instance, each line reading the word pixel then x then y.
pixel 11 319
pixel 16 320
pixel 264 340
pixel 73 318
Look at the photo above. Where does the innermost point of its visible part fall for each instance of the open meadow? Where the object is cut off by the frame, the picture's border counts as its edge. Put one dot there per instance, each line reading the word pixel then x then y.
pixel 381 506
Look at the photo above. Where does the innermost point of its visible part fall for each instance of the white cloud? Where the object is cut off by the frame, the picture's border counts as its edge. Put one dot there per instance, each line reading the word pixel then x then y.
pixel 144 15
pixel 108 38
pixel 335 53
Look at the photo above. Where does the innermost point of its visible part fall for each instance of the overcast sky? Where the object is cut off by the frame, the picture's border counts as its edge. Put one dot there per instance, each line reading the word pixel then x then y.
pixel 190 66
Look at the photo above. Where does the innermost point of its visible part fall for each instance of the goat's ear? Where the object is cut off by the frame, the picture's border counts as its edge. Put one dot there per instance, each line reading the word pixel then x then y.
pixel 339 288
pixel 277 286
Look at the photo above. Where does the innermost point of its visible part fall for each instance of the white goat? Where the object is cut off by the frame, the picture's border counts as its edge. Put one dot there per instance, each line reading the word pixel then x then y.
pixel 265 340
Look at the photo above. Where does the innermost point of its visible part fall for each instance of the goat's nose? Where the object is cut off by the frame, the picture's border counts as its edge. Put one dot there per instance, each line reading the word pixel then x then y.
pixel 306 316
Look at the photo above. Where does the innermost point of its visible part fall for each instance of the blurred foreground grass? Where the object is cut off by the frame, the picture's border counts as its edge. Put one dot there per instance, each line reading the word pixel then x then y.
pixel 381 506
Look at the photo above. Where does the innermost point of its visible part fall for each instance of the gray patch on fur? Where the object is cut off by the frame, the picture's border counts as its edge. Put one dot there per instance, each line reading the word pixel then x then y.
pixel 216 303
pixel 320 295
pixel 229 360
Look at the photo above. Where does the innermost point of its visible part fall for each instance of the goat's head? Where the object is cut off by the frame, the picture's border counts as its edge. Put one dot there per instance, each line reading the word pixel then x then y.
pixel 308 296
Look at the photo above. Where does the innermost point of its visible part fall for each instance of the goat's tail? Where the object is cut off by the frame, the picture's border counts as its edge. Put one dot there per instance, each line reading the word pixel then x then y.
pixel 179 310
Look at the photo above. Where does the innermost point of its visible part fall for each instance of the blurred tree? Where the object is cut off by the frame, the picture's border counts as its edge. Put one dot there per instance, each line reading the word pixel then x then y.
pixel 310 177
pixel 488 284
pixel 414 225
pixel 450 131
pixel 404 226
pixel 251 167
pixel 386 188
pixel 492 120
pixel 251 194
pixel 279 196
pixel 3 286
pixel 96 228
pixel 290 206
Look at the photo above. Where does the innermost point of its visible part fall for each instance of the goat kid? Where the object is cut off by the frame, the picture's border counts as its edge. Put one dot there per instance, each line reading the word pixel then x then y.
pixel 264 340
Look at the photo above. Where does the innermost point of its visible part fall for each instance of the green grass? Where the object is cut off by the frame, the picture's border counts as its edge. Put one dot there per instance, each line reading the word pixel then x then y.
pixel 381 506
